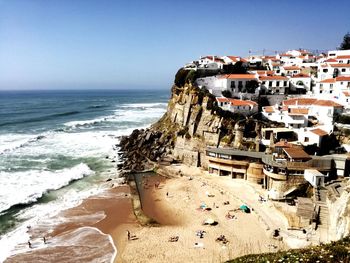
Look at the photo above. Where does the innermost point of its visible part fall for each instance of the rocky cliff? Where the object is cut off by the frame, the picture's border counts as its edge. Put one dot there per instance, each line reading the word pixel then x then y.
pixel 192 122
pixel 339 209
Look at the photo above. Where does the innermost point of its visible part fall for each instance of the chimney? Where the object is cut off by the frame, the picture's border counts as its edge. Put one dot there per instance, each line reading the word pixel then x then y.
pixel 213 58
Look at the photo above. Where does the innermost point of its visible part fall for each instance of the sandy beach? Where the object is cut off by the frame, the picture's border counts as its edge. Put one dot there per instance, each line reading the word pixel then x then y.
pixel 180 205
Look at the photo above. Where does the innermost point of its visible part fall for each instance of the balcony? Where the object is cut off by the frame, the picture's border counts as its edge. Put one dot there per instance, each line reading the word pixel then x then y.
pixel 227 161
pixel 315 163
pixel 273 175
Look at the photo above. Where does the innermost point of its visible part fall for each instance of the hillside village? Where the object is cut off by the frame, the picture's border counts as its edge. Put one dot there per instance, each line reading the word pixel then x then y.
pixel 305 98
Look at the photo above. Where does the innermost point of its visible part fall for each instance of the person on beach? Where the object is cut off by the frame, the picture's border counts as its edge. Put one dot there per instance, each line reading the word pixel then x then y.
pixel 44 238
pixel 129 236
pixel 167 194
pixel 29 244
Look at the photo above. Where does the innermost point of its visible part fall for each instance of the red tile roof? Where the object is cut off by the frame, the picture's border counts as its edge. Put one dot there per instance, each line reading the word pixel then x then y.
pixel 340 65
pixel 301 75
pixel 235 102
pixel 296 153
pixel 342 78
pixel 285 55
pixel 291 68
pixel 298 111
pixel 346 93
pixel 273 78
pixel 319 132
pixel 328 81
pixel 233 58
pixel 343 57
pixel 311 101
pixel 269 109
pixel 222 99
pixel 237 76
pixel 331 60
pixel 328 103
pixel 299 101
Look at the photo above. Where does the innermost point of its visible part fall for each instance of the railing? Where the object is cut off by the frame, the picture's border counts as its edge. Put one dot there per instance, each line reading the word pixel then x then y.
pixel 318 164
pixel 275 175
pixel 227 161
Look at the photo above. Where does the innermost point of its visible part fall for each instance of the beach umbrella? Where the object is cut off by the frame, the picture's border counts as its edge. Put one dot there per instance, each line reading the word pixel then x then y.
pixel 245 208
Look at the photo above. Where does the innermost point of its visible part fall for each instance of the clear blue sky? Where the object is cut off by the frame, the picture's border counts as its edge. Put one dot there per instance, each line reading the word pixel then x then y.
pixel 129 44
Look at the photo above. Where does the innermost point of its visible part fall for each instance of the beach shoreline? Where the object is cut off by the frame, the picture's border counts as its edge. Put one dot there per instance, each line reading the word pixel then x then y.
pixel 175 203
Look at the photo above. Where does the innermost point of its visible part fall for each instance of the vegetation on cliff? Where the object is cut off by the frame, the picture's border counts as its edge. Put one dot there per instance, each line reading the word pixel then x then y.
pixel 338 251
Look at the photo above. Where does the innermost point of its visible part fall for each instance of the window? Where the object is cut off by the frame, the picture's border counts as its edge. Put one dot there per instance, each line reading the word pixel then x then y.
pixel 277 83
pixel 295 71
pixel 331 91
pixel 277 90
pixel 270 83
pixel 320 91
pixel 233 84
pixel 331 86
pixel 343 70
pixel 332 54
pixel 340 62
pixel 240 84
pixel 341 82
pixel 321 85
pixel 306 139
pixel 285 83
pixel 325 70
pixel 264 82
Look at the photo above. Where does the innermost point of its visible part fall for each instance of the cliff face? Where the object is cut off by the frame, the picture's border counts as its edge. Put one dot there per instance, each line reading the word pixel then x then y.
pixel 339 211
pixel 191 123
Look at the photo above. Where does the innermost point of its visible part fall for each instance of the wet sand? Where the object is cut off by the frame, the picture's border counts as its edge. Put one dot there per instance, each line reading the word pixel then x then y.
pixel 90 231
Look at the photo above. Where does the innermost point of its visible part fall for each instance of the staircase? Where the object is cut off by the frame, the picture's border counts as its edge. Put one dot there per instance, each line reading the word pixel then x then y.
pixel 323 214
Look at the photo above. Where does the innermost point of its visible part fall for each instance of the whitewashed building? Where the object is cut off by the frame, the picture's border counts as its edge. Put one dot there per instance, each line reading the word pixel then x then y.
pixel 245 107
pixel 300 83
pixel 235 83
pixel 274 84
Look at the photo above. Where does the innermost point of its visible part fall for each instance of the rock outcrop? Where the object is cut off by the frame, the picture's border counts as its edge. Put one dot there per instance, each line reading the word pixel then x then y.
pixel 339 209
pixel 192 122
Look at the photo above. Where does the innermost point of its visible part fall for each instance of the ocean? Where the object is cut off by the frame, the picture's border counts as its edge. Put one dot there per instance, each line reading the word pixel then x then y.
pixel 57 147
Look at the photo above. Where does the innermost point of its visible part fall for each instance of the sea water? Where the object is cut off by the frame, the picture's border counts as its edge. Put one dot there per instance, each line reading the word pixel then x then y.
pixel 56 148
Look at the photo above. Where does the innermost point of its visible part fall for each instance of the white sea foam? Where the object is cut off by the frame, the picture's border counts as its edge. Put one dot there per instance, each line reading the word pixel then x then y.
pixel 136 112
pixel 10 142
pixel 78 140
pixel 34 184
pixel 145 105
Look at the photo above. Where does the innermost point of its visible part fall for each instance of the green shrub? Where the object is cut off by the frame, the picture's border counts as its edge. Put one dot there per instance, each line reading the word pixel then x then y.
pixel 180 77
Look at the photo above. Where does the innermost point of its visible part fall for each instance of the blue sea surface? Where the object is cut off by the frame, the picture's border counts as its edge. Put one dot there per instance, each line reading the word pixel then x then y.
pixel 54 144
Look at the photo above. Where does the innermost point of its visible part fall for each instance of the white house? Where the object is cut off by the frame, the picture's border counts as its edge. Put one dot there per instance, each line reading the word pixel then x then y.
pixel 331 70
pixel 295 113
pixel 300 83
pixel 337 53
pixel 235 83
pixel 343 59
pixel 309 136
pixel 274 84
pixel 245 107
pixel 322 110
pixel 291 117
pixel 291 70
pixel 334 88
pixel 211 84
